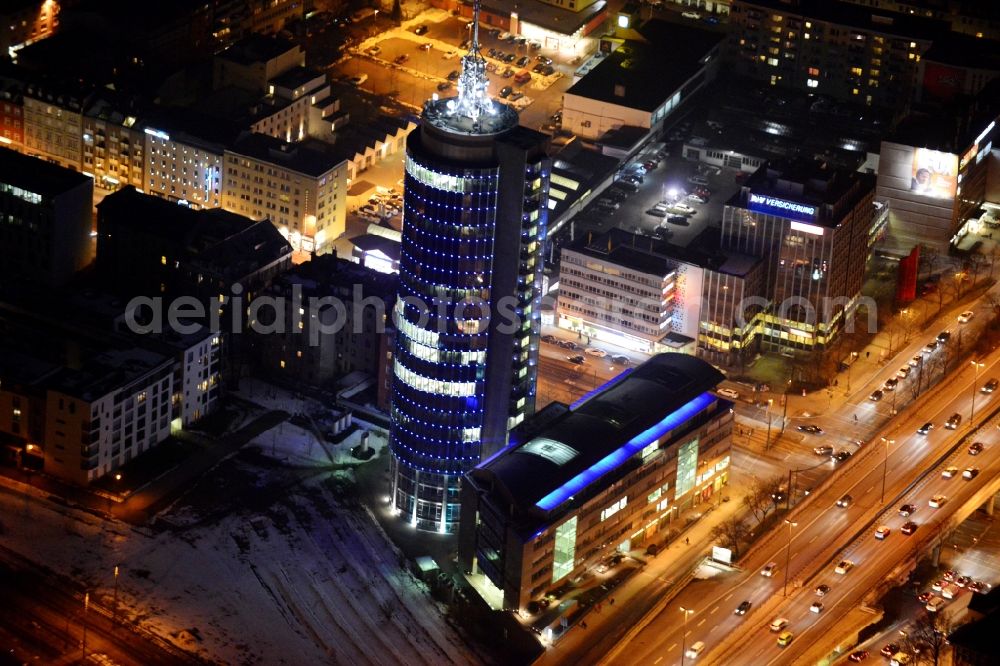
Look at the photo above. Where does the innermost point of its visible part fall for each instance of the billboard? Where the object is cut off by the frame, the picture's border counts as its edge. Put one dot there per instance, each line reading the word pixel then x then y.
pixel 763 203
pixel 934 174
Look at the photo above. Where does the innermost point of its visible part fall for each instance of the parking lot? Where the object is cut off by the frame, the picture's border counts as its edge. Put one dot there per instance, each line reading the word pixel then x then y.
pixel 670 177
pixel 412 67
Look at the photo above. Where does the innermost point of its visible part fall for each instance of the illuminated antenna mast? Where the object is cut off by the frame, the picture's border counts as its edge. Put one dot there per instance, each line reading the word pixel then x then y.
pixel 473 97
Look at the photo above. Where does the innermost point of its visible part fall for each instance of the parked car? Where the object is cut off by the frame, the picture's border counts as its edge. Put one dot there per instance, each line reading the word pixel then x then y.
pixel 444 85
pixel 420 30
pixel 930 347
pixel 903 372
pixel 551 339
pixel 358 80
pixel 598 353
pixel 698 180
pixel 401 58
pixel 522 61
pixel 891 384
pixel 858 656
pixel 453 75
pixel 944 336
pixel 876 395
pixel 505 91
pixel 728 393
pixel 621 360
pixel 825 450
pixel 811 429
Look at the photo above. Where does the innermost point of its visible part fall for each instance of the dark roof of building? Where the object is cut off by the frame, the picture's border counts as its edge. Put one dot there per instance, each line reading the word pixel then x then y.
pixel 953 48
pixel 295 77
pixel 193 127
pixel 328 274
pixel 294 156
pixel 576 170
pixel 950 127
pixel 553 449
pixel 979 635
pixel 550 17
pixel 626 137
pixel 646 253
pixel 849 14
pixel 227 244
pixel 808 181
pixel 256 48
pixel 370 242
pixel 37 175
pixel 643 74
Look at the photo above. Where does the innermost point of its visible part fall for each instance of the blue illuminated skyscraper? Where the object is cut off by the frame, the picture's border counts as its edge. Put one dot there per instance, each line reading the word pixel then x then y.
pixel 467 317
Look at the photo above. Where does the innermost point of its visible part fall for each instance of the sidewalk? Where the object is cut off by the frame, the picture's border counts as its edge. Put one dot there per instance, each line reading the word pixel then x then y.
pixel 647 591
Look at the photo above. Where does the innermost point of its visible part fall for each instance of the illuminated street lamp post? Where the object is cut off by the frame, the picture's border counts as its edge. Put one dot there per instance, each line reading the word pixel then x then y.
pixel 854 357
pixel 885 463
pixel 114 609
pixel 788 554
pixel 686 611
pixel 978 365
pixel 767 443
pixel 86 606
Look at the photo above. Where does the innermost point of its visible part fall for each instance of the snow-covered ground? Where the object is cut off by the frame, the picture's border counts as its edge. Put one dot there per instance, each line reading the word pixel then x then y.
pixel 268 560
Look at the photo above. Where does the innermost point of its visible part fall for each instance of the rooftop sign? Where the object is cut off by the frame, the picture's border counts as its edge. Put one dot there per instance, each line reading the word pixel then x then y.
pixel 763 203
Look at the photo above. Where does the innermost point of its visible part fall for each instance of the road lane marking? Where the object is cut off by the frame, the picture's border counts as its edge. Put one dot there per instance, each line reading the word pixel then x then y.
pixel 714 609
pixel 715 627
pixel 727 598
pixel 660 658
pixel 688 633
pixel 815 536
pixel 701 622
pixel 671 648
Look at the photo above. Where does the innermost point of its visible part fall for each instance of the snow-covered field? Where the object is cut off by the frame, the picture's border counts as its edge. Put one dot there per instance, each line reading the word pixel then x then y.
pixel 268 560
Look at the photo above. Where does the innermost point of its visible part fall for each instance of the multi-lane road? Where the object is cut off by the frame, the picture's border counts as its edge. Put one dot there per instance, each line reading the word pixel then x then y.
pixel 822 530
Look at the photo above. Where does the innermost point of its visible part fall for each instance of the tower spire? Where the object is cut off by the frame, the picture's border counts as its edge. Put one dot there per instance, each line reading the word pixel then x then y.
pixel 473 99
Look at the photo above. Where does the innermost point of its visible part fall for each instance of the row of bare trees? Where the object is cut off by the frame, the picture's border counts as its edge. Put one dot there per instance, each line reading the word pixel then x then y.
pixel 761 499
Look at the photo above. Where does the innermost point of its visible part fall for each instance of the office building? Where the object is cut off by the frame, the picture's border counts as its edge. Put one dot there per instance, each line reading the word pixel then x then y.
pixel 932 174
pixel 646 75
pixel 649 295
pixel 844 51
pixel 252 62
pixel 467 316
pixel 607 474
pixel 45 220
pixel 301 190
pixel 814 227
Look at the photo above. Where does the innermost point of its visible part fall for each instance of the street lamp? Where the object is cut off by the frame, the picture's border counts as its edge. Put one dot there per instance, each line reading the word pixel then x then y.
pixel 978 365
pixel 885 463
pixel 114 610
pixel 854 357
pixel 788 554
pixel 767 444
pixel 686 611
pixel 86 607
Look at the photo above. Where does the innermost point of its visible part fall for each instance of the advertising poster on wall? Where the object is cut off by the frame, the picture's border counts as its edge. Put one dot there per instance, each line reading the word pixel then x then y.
pixel 934 174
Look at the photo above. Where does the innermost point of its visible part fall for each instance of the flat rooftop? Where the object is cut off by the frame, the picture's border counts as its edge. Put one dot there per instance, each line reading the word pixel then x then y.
pixel 550 17
pixel 581 445
pixel 295 157
pixel 37 175
pixel 644 73
pixel 882 21
pixel 256 48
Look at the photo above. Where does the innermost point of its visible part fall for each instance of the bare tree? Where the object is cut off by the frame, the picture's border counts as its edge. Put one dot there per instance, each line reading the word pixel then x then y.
pixel 927 638
pixel 993 300
pixel 730 533
pixel 976 264
pixel 929 259
pixel 763 496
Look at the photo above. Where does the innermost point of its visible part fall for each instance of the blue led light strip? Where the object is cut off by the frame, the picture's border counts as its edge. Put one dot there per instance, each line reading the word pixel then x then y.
pixel 616 458
pixel 606 385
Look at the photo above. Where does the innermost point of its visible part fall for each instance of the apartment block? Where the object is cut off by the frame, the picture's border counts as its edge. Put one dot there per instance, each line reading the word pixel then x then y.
pixel 114 144
pixel 302 191
pixel 53 123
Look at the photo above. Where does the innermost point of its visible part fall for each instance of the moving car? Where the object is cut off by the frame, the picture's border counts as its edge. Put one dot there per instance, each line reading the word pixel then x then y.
pixel 697 648
pixel 843 567
pixel 889 649
pixel 578 359
pixel 841 456
pixel 816 607
pixel 695 16
pixel 728 393
pixel 598 353
pixel 906 510
pixel 821 590
pixel 966 316
pixel 845 501
pixel 420 30
pixel 990 386
pixel 401 58
pixel 937 501
pixel 742 608
pixel 975 448
pixel 550 339
pixel 779 624
pixel 858 656
pixel 811 429
pixel 621 360
pixel 824 450
pixel 908 528
pixel 970 473
pixel 953 421
pixel 949 472
pixel 785 637
pixel 882 532
pixel 769 569
pixel 358 80
pixel 925 428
